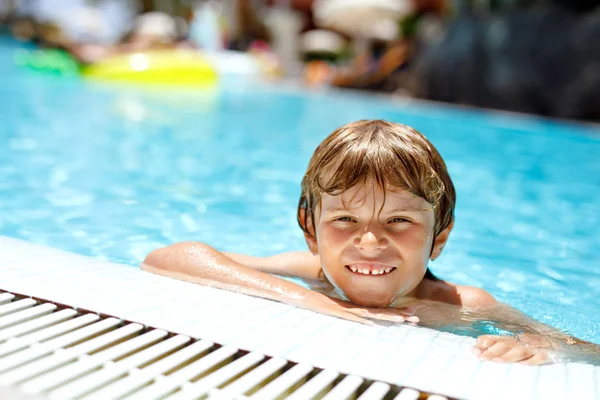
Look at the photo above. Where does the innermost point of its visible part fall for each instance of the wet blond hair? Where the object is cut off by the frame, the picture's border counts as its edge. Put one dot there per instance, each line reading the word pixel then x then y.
pixel 386 153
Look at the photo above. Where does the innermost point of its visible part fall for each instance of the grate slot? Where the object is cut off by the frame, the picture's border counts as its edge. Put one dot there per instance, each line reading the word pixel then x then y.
pixel 15 306
pixel 165 385
pixel 90 363
pixel 57 342
pixel 113 371
pixel 319 384
pixel 217 378
pixel 36 324
pixel 138 378
pixel 26 315
pixel 284 384
pixel 408 394
pixel 66 355
pixel 6 297
pixel 345 389
pixel 251 379
pixel 46 334
pixel 376 391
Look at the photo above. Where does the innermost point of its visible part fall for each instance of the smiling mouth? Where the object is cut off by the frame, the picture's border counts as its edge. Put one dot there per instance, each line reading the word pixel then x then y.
pixel 370 270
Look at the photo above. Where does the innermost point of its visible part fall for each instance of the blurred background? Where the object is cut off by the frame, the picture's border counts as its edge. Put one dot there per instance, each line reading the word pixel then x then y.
pixel 532 56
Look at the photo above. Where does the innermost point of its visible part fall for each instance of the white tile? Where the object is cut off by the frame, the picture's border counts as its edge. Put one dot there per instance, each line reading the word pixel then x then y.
pixel 551 383
pixel 520 382
pixel 581 381
pixel 402 358
pixel 461 374
pixel 251 328
pixel 489 380
pixel 320 339
pixel 346 353
pixel 597 379
pixel 430 369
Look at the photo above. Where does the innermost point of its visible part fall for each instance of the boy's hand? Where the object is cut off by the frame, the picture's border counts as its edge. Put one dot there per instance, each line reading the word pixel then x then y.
pixel 323 304
pixel 525 349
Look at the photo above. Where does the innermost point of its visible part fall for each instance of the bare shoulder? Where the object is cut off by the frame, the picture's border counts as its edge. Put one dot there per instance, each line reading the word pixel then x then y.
pixel 460 295
pixel 474 297
pixel 167 256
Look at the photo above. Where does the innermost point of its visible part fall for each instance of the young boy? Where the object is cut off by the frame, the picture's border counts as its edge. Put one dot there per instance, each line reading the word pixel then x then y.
pixel 377 203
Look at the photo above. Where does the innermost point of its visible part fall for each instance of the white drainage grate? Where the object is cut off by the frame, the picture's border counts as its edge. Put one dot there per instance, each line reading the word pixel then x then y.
pixel 55 352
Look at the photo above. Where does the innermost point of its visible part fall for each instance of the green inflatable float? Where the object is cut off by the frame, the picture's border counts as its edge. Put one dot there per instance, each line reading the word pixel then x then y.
pixel 54 61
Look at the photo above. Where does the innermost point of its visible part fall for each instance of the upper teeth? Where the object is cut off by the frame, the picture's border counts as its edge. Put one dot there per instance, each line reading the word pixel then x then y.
pixel 367 271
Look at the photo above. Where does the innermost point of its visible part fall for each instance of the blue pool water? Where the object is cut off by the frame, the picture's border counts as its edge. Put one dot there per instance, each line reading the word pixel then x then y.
pixel 115 173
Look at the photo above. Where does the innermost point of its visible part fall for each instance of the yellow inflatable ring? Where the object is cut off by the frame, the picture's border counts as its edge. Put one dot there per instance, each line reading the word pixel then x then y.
pixel 169 67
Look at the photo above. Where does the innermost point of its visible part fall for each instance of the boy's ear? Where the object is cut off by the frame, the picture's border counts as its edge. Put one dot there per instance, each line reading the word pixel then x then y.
pixel 311 241
pixel 440 241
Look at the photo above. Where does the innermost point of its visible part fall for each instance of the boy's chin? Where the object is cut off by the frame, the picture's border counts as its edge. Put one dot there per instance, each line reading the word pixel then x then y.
pixel 369 299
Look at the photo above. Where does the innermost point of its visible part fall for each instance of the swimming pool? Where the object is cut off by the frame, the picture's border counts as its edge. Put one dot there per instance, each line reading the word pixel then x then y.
pixel 114 173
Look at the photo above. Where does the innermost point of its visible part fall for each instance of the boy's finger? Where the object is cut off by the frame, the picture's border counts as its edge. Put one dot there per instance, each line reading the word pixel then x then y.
pixel 352 317
pixel 485 341
pixel 385 316
pixel 538 358
pixel 365 313
pixel 409 310
pixel 406 314
pixel 496 350
pixel 358 312
pixel 345 313
pixel 395 311
pixel 517 353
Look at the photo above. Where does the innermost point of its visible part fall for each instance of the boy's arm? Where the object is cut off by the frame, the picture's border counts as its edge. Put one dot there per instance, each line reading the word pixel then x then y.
pixel 300 264
pixel 202 264
pixel 534 342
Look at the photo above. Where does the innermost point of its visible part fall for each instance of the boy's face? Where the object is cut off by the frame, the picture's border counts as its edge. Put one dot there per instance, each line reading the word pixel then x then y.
pixel 375 252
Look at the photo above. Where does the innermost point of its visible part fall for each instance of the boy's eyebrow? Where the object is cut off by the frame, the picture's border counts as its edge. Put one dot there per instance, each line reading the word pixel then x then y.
pixel 406 209
pixel 395 210
pixel 336 209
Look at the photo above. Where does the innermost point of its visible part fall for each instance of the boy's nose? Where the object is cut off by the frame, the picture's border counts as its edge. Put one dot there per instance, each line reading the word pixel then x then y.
pixel 369 242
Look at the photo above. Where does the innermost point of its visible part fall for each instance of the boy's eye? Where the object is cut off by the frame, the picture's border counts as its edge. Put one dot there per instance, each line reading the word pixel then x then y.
pixel 397 220
pixel 344 219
